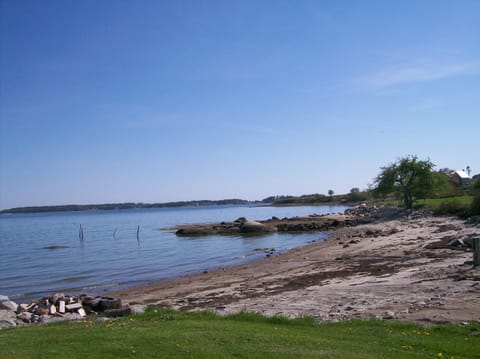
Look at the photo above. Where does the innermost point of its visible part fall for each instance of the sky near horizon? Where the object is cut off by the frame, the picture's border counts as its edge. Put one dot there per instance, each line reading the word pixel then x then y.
pixel 157 101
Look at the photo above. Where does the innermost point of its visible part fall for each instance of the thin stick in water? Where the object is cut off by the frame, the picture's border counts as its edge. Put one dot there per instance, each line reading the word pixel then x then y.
pixel 80 233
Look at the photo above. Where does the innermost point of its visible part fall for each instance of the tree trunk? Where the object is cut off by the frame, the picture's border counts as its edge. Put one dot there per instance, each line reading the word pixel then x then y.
pixel 408 199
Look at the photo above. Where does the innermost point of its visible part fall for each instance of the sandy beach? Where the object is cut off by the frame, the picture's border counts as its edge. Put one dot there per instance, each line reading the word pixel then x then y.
pixel 391 269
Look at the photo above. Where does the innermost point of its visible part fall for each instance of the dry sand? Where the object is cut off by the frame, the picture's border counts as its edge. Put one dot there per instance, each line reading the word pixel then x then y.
pixel 387 270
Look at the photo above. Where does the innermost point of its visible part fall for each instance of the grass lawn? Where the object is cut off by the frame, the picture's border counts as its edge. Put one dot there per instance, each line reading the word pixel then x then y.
pixel 171 334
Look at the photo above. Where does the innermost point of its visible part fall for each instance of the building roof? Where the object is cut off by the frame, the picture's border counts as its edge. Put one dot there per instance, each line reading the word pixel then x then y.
pixel 462 174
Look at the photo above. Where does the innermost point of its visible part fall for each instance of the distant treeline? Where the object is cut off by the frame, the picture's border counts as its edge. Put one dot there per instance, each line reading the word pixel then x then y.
pixel 129 205
pixel 354 196
pixel 319 199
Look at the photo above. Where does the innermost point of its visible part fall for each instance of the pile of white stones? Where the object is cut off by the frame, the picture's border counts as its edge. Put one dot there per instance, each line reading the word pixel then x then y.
pixel 61 307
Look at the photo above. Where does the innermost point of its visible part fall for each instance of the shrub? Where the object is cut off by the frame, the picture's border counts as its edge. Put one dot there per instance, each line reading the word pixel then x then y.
pixel 475 207
pixel 453 206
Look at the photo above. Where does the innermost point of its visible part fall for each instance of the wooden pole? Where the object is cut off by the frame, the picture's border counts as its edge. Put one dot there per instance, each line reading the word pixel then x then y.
pixel 138 233
pixel 476 251
pixel 80 234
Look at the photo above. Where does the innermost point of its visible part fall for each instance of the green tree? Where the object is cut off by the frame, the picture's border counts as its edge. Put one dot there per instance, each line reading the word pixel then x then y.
pixel 442 186
pixel 409 177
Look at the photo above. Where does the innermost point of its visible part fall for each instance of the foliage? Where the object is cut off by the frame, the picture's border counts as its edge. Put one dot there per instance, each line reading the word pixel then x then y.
pixel 475 186
pixel 359 196
pixel 409 178
pixel 172 334
pixel 443 187
pixel 451 206
pixel 475 207
pixel 304 199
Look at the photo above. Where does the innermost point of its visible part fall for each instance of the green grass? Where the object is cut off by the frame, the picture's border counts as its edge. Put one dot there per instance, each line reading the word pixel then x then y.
pixel 459 205
pixel 171 334
pixel 435 203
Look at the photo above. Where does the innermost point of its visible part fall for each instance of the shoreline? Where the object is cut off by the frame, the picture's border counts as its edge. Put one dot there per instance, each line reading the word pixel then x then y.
pixel 393 269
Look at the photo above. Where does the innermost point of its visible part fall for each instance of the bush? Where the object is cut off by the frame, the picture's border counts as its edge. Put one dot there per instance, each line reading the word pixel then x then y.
pixel 453 206
pixel 359 196
pixel 475 207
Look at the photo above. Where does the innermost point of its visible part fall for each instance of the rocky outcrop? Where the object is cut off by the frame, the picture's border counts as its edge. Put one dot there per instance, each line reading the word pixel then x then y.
pixel 362 214
pixel 242 226
pixel 252 227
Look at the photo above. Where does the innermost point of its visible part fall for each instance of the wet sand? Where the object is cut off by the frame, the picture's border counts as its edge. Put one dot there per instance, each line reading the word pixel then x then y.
pixel 397 269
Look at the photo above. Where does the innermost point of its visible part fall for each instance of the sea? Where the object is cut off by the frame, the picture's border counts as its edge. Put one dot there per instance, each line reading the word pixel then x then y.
pixel 105 250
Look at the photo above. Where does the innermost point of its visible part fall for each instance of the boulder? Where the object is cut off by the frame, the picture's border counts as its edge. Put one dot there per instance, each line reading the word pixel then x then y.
pixel 41 310
pixel 255 227
pixel 7 323
pixel 48 319
pixel 92 302
pixel 7 315
pixel 73 316
pixel 25 317
pixel 58 296
pixel 121 312
pixel 107 303
pixel 9 305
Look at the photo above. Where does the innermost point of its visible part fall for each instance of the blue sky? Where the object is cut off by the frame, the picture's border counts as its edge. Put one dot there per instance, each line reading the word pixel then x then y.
pixel 155 101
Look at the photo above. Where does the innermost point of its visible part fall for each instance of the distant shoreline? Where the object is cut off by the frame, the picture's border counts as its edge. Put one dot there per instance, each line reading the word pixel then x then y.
pixel 127 205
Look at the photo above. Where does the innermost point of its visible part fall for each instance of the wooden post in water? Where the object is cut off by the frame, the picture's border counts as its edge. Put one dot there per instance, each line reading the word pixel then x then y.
pixel 138 233
pixel 80 234
pixel 476 251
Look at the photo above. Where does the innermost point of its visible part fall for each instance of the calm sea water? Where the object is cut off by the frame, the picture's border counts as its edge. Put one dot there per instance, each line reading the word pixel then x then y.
pixel 110 256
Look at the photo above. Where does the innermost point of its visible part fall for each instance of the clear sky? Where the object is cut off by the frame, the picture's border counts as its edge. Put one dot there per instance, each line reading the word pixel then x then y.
pixel 155 101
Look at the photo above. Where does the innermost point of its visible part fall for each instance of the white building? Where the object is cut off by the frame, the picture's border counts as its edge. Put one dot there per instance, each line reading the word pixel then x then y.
pixel 463 178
